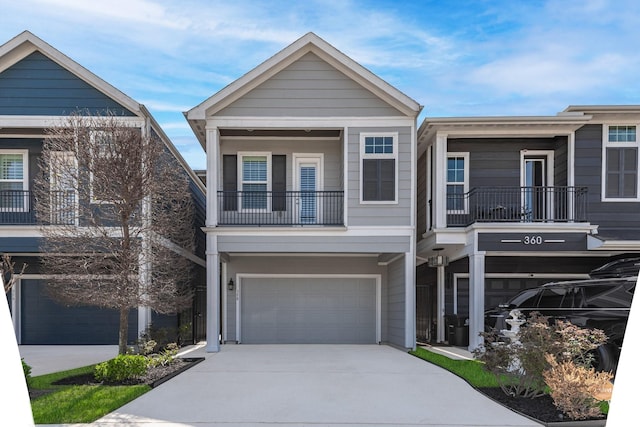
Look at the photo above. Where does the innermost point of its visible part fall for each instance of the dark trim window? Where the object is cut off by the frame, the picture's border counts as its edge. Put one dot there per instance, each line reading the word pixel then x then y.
pixel 379 178
pixel 14 173
pixel 621 150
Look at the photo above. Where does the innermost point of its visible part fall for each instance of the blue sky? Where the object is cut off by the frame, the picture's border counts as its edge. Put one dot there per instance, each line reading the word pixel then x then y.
pixel 457 58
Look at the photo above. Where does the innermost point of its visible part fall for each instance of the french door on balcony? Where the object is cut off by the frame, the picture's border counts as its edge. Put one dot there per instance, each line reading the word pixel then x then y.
pixel 308 181
pixel 536 177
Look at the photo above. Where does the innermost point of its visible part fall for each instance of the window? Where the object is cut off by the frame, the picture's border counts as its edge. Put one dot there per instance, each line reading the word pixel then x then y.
pixel 379 153
pixel 254 181
pixel 14 181
pixel 620 165
pixel 457 181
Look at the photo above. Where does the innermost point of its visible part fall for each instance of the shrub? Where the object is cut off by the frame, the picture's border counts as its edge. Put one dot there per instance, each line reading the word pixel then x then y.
pixel 165 357
pixel 518 366
pixel 576 390
pixel 121 368
pixel 27 372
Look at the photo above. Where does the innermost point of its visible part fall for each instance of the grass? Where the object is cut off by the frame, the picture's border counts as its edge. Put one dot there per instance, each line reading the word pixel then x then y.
pixel 78 404
pixel 470 370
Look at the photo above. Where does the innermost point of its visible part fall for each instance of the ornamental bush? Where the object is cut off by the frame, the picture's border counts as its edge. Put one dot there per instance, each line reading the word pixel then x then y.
pixel 26 369
pixel 519 365
pixel 122 368
pixel 577 390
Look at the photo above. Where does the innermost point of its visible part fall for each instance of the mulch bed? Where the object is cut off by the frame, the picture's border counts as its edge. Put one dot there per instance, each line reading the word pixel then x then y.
pixel 154 376
pixel 540 408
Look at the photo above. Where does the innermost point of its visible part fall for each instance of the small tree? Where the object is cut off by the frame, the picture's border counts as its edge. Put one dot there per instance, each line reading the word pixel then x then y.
pixel 8 274
pixel 116 212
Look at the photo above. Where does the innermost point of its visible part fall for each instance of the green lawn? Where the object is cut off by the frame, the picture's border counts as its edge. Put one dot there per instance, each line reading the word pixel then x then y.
pixel 78 404
pixel 470 370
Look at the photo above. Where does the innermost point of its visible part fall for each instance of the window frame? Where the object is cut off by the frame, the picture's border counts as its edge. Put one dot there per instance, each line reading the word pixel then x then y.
pixel 465 183
pixel 25 178
pixel 240 179
pixel 606 144
pixel 375 156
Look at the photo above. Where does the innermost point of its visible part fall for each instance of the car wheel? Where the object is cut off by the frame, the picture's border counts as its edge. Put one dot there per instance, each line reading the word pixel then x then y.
pixel 604 358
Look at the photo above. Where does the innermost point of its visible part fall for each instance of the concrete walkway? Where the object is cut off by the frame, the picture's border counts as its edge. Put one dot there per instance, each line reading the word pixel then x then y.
pixel 296 385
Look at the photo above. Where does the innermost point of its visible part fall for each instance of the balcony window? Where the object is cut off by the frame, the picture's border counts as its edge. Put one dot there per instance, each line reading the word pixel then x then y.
pixel 457 181
pixel 620 166
pixel 13 180
pixel 255 181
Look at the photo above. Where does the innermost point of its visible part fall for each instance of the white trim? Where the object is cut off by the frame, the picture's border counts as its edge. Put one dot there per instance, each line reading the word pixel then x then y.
pixel 377 277
pixel 465 184
pixel 316 159
pixel 224 292
pixel 367 156
pixel 619 144
pixel 44 122
pixel 16 312
pixel 25 179
pixel 549 166
pixel 240 170
pixel 260 122
pixel 345 175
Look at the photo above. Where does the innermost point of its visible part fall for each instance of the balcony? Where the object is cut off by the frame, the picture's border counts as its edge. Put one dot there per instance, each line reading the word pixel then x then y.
pixel 18 207
pixel 280 208
pixel 517 204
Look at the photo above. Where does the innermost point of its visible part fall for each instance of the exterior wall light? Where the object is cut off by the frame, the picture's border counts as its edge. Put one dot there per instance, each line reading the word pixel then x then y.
pixel 438 261
pixel 230 285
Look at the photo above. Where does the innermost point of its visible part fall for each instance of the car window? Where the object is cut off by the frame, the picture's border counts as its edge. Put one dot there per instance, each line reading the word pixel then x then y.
pixel 552 297
pixel 607 296
pixel 528 298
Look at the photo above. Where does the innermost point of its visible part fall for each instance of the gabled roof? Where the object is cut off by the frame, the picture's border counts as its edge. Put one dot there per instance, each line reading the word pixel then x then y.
pixel 310 42
pixel 25 43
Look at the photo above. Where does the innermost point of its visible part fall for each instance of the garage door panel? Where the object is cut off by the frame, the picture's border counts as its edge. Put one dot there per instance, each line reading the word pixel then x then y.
pixel 308 310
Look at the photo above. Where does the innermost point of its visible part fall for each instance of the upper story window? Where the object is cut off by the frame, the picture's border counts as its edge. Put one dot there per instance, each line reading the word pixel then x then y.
pixel 379 179
pixel 457 181
pixel 620 166
pixel 254 178
pixel 14 180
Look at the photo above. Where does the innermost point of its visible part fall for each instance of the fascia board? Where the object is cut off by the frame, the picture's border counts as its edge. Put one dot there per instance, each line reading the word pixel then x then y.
pixel 26 43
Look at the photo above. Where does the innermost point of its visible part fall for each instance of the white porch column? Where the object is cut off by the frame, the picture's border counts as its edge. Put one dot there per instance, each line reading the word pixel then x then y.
pixel 440 323
pixel 213 256
pixel 476 299
pixel 213 294
pixel 410 300
pixel 439 207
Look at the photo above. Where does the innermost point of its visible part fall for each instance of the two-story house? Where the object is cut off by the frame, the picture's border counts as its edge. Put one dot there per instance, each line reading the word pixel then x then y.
pixel 39 87
pixel 310 203
pixel 508 203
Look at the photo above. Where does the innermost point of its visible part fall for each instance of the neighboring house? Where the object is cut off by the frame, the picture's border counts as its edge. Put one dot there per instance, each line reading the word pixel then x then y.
pixel 507 203
pixel 310 203
pixel 39 86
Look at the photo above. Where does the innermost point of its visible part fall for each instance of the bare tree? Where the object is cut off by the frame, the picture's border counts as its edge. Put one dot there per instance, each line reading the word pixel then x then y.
pixel 117 217
pixel 8 273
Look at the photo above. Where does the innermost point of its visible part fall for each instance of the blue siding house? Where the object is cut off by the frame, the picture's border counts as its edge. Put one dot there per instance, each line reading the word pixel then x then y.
pixel 509 203
pixel 39 86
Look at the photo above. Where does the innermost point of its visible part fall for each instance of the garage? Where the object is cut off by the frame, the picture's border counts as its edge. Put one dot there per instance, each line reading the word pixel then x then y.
pixel 309 310
pixel 44 321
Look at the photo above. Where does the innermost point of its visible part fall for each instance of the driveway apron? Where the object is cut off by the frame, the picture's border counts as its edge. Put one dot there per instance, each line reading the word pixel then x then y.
pixel 246 385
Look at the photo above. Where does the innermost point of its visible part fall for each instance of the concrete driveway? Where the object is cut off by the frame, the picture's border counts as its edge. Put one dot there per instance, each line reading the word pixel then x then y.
pixel 336 385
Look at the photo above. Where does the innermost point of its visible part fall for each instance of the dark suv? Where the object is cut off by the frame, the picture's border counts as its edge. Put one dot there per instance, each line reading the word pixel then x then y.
pixel 601 302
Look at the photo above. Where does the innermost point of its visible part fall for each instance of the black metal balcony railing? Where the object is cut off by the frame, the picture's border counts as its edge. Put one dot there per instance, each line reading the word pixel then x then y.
pixel 517 204
pixel 18 207
pixel 280 208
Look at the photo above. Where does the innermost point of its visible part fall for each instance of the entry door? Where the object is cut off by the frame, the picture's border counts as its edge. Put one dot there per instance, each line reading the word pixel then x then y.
pixel 535 192
pixel 308 184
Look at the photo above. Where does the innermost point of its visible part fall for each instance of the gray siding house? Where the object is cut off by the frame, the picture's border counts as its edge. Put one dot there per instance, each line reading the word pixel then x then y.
pixel 508 203
pixel 310 203
pixel 39 86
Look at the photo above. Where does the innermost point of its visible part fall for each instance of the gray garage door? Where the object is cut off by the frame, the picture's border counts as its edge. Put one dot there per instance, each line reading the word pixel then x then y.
pixel 308 310
pixel 43 321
